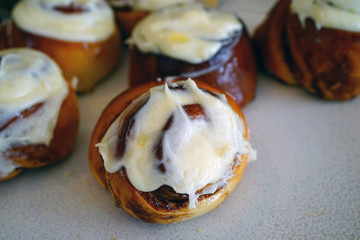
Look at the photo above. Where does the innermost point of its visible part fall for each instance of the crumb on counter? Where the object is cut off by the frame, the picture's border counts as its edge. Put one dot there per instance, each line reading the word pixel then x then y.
pixel 67 174
pixel 314 214
pixel 49 180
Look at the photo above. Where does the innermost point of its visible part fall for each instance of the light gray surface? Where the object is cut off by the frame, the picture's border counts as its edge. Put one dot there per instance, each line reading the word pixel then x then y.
pixel 304 185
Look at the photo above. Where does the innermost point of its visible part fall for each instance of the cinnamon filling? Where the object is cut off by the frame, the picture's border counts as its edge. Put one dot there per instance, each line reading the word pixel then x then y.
pixel 71 9
pixel 166 198
pixel 125 131
pixel 22 115
pixel 195 112
pixel 159 146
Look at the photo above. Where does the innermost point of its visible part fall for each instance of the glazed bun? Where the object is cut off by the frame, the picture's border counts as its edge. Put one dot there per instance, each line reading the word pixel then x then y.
pixel 216 50
pixel 313 44
pixel 39 114
pixel 81 36
pixel 170 152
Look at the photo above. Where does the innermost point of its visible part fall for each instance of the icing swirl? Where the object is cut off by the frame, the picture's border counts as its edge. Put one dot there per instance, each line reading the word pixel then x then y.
pixel 147 5
pixel 337 14
pixel 188 33
pixel 69 20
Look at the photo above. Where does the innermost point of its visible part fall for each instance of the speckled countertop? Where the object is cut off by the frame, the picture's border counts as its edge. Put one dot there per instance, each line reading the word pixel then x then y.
pixel 305 183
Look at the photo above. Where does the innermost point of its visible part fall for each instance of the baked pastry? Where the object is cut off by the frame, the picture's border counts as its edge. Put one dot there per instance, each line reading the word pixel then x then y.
pixel 81 36
pixel 314 44
pixel 190 41
pixel 168 153
pixel 129 12
pixel 39 115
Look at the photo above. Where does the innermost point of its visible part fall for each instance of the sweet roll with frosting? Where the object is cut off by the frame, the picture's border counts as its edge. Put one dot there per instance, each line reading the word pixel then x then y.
pixel 170 152
pixel 39 114
pixel 314 44
pixel 191 41
pixel 81 36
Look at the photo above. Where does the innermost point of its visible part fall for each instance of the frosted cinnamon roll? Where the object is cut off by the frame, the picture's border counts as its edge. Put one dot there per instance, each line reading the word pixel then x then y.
pixel 129 12
pixel 190 41
pixel 39 114
pixel 314 44
pixel 170 152
pixel 81 36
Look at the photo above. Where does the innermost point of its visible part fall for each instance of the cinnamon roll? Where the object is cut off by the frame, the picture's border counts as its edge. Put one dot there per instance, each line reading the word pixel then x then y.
pixel 129 12
pixel 190 41
pixel 170 152
pixel 81 36
pixel 314 44
pixel 39 114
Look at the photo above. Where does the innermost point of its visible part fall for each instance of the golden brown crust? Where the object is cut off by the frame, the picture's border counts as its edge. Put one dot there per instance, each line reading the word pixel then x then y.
pixel 62 143
pixel 239 73
pixel 11 175
pixel 89 62
pixel 140 204
pixel 126 20
pixel 236 75
pixel 162 205
pixel 269 40
pixel 324 61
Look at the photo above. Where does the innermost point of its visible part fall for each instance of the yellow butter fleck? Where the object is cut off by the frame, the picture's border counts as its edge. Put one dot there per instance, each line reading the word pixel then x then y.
pixel 179 38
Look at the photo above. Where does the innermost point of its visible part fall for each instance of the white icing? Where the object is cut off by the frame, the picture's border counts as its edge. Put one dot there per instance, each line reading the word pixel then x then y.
pixel 349 5
pixel 338 14
pixel 151 5
pixel 189 32
pixel 147 5
pixel 121 3
pixel 196 153
pixel 28 77
pixel 96 23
